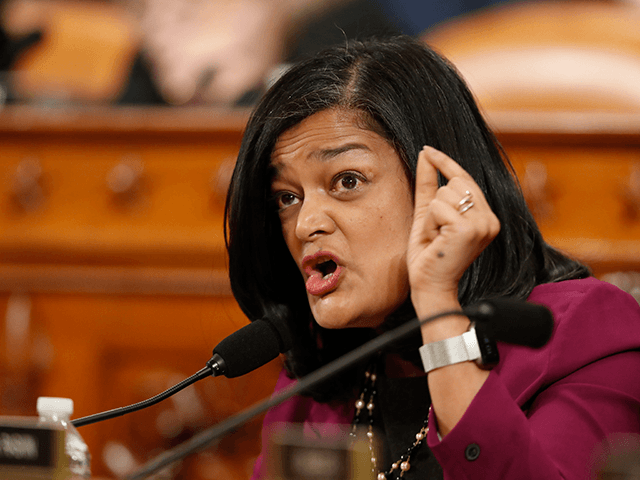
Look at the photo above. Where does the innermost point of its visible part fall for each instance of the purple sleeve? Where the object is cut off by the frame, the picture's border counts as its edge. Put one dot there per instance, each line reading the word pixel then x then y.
pixel 557 438
pixel 546 413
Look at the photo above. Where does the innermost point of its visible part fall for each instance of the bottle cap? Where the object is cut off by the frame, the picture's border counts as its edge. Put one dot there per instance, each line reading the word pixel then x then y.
pixel 55 404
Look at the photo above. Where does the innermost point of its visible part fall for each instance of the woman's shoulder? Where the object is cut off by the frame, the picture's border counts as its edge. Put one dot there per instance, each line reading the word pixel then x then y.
pixel 574 288
pixel 588 298
pixel 592 320
pixel 591 315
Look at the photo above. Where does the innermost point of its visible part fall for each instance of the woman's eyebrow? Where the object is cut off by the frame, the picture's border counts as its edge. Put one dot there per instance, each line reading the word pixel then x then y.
pixel 274 170
pixel 329 153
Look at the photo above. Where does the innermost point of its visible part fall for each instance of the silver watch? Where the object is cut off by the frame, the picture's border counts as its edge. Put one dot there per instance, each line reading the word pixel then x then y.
pixel 458 349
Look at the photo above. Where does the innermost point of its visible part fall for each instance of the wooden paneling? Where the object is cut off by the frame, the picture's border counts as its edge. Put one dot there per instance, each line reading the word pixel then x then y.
pixel 580 174
pixel 130 186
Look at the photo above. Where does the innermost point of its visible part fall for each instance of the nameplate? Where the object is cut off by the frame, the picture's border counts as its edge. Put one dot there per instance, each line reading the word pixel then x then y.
pixel 29 451
pixel 294 454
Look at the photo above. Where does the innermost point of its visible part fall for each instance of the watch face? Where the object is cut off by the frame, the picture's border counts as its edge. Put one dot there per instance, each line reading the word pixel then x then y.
pixel 488 347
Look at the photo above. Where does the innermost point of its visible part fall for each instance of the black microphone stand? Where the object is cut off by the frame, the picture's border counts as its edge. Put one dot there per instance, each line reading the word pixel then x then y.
pixel 117 412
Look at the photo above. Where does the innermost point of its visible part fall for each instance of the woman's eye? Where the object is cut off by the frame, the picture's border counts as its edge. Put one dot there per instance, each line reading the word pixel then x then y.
pixel 286 199
pixel 348 181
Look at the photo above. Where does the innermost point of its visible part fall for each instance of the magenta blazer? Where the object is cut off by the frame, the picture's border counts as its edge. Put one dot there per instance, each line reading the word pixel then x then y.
pixel 541 414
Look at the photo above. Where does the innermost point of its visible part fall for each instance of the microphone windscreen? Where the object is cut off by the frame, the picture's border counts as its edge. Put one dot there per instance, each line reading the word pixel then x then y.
pixel 253 346
pixel 513 321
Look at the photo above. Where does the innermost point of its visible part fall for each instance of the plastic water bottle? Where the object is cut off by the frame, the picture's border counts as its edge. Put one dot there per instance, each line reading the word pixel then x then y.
pixel 57 412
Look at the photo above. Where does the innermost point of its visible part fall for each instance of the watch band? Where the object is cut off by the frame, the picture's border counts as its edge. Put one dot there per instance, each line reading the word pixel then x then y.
pixel 458 349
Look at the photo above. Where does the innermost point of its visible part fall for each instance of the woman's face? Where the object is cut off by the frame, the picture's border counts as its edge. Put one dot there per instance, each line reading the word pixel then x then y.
pixel 346 209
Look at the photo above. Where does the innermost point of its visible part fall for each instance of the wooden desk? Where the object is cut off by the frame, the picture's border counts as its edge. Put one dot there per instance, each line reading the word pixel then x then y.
pixel 112 263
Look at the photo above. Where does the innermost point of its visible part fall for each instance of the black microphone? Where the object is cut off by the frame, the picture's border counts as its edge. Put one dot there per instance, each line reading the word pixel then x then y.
pixel 513 321
pixel 503 317
pixel 241 352
pixel 251 347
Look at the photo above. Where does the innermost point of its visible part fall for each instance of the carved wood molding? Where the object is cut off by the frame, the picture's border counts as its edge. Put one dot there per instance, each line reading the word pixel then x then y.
pixel 114 280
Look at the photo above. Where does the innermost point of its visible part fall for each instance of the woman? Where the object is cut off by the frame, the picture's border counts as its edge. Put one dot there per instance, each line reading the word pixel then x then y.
pixel 369 190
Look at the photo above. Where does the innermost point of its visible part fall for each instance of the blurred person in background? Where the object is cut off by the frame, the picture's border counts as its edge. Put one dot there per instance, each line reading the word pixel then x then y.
pixel 222 52
pixel 226 52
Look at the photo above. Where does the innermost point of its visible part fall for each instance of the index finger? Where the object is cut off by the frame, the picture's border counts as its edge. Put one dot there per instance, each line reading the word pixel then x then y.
pixel 447 166
pixel 426 183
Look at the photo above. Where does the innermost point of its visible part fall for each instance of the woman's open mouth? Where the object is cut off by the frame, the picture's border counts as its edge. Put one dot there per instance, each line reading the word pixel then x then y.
pixel 323 271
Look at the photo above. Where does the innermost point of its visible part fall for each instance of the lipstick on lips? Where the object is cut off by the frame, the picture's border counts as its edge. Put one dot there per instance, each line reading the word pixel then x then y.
pixel 323 272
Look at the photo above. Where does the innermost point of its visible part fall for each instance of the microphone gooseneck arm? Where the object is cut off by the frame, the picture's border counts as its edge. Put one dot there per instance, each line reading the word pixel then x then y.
pixel 216 366
pixel 117 412
pixel 244 350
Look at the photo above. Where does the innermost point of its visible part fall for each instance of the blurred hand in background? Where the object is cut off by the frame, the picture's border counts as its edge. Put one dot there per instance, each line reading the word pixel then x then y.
pixel 213 51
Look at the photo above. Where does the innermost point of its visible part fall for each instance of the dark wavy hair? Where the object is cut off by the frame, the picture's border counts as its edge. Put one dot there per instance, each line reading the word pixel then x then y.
pixel 408 94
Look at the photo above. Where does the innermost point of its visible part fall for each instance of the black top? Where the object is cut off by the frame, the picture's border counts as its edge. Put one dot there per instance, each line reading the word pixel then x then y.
pixel 402 406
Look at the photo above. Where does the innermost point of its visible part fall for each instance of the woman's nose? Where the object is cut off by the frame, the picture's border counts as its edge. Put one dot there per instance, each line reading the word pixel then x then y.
pixel 314 218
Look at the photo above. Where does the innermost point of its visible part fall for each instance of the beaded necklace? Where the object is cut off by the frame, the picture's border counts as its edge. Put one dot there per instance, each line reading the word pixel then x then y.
pixel 366 402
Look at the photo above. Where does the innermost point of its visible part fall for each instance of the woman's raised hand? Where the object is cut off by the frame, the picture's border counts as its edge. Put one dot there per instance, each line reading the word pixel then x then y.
pixel 452 225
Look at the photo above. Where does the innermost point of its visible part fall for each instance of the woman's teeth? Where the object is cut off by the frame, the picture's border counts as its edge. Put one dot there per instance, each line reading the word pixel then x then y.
pixel 327 268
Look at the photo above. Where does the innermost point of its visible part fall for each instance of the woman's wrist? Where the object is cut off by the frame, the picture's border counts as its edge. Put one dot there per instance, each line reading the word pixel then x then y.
pixel 443 328
pixel 432 303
